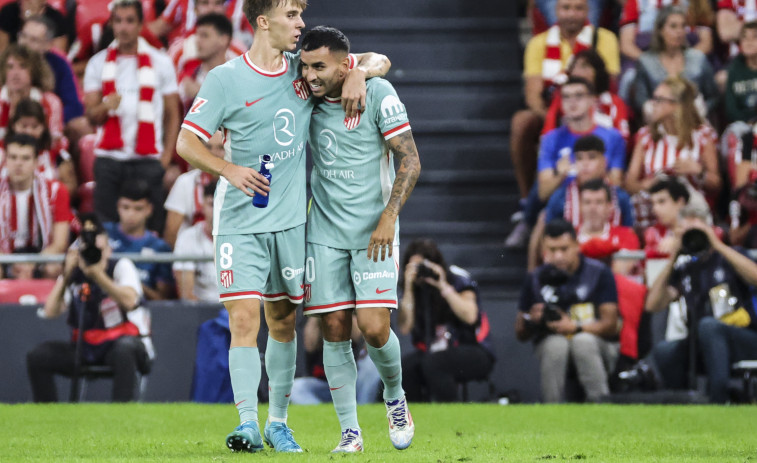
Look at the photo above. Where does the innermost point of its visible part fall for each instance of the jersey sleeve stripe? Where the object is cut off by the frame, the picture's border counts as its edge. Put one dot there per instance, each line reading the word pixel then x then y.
pixel 345 304
pixel 281 296
pixel 197 130
pixel 377 303
pixel 396 131
pixel 353 61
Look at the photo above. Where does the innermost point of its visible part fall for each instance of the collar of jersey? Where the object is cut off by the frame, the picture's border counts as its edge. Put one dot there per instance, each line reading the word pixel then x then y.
pixel 284 67
pixel 332 100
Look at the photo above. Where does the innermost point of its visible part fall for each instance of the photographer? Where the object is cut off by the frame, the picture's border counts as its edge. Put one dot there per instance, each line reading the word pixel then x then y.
pixel 569 307
pixel 439 308
pixel 716 283
pixel 97 293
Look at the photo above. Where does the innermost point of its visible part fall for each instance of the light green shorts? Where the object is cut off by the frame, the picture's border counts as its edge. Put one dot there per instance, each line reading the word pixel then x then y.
pixel 338 279
pixel 266 266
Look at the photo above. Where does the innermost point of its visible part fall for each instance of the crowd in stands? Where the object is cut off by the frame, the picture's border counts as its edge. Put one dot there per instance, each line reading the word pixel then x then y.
pixel 637 113
pixel 669 88
pixel 92 95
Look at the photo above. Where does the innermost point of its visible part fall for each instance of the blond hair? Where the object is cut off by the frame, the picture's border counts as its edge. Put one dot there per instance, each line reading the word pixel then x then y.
pixel 686 117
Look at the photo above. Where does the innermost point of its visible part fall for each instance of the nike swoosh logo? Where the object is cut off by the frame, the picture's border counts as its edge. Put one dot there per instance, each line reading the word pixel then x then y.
pixel 382 291
pixel 393 376
pixel 288 395
pixel 250 104
pixel 335 388
pixel 238 403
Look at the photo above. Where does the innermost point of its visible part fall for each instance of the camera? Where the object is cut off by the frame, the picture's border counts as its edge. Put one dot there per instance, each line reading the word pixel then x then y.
pixel 425 272
pixel 694 243
pixel 88 250
pixel 550 279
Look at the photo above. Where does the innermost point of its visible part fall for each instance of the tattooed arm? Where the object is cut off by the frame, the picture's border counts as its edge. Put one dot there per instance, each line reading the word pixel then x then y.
pixel 382 238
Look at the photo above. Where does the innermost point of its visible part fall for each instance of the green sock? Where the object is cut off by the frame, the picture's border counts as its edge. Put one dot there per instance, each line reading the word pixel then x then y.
pixel 244 369
pixel 341 373
pixel 280 363
pixel 388 361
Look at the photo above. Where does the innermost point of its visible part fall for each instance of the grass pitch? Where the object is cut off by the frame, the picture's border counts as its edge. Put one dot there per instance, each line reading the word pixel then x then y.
pixel 444 433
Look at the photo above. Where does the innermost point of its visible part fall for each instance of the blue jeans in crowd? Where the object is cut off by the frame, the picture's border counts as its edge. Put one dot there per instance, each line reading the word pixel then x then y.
pixel 720 345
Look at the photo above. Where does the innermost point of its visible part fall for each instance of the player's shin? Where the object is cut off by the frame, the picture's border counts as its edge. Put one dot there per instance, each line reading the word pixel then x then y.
pixel 388 361
pixel 341 373
pixel 280 361
pixel 244 369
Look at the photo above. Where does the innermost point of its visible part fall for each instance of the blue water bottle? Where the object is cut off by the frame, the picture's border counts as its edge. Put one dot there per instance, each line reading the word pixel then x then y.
pixel 260 200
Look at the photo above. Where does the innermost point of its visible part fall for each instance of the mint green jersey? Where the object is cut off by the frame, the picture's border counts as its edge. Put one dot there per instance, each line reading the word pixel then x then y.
pixel 353 169
pixel 259 113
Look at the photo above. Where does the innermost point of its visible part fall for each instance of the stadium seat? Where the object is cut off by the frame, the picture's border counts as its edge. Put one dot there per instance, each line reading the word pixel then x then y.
pixel 87 158
pixel 90 373
pixel 747 370
pixel 86 192
pixel 27 292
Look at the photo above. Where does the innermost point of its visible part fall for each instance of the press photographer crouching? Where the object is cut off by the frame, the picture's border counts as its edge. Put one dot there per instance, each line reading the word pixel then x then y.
pixel 97 293
pixel 439 308
pixel 569 308
pixel 716 283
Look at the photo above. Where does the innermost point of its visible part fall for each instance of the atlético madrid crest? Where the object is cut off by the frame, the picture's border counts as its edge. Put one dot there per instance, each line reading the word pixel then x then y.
pixel 352 122
pixel 227 278
pixel 301 88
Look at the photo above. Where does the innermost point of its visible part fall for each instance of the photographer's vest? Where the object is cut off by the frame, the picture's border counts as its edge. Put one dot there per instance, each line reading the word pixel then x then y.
pixel 104 321
pixel 576 296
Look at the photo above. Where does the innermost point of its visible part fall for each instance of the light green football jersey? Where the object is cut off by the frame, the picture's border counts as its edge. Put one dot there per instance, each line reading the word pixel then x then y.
pixel 259 113
pixel 353 169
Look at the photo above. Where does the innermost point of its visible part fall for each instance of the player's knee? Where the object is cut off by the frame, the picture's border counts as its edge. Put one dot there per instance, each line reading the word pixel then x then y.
pixel 337 326
pixel 242 323
pixel 375 335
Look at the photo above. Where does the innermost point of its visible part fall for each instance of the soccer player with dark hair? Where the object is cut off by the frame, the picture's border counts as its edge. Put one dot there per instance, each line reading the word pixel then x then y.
pixel 263 106
pixel 353 233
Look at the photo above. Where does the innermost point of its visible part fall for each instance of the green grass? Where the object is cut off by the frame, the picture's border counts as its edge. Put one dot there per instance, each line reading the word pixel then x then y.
pixel 444 433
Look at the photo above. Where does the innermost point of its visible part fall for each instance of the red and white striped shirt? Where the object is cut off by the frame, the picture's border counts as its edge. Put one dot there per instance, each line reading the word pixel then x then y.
pixel 660 156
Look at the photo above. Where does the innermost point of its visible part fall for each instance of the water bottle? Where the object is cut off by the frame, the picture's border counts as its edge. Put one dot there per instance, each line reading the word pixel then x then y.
pixel 260 200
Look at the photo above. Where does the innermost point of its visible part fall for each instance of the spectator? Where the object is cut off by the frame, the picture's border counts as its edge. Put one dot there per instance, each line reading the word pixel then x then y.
pixel 598 237
pixel 54 161
pixel 184 49
pixel 179 17
pixel 569 307
pixel 638 20
pixel 15 14
pixel 183 202
pixel 731 16
pixel 610 110
pixel 196 281
pixel 555 163
pixel 106 291
pixel 591 164
pixel 668 197
pixel 669 55
pixel 741 89
pixel 547 9
pixel 132 97
pixel 314 388
pixel 678 142
pixel 439 309
pixel 25 74
pixel 37 36
pixel 716 282
pixel 210 43
pixel 546 57
pixel 34 211
pixel 130 234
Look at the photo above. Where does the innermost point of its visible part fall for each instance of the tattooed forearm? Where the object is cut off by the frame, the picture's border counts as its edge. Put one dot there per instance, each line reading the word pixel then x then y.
pixel 373 64
pixel 403 147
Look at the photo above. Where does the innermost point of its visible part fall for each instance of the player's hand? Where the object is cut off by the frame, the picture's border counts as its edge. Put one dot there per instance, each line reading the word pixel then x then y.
pixel 353 93
pixel 382 239
pixel 249 181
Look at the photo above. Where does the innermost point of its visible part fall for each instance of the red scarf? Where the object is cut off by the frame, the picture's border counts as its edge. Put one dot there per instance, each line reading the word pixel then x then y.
pixel 552 70
pixel 572 211
pixel 111 135
pixel 39 210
